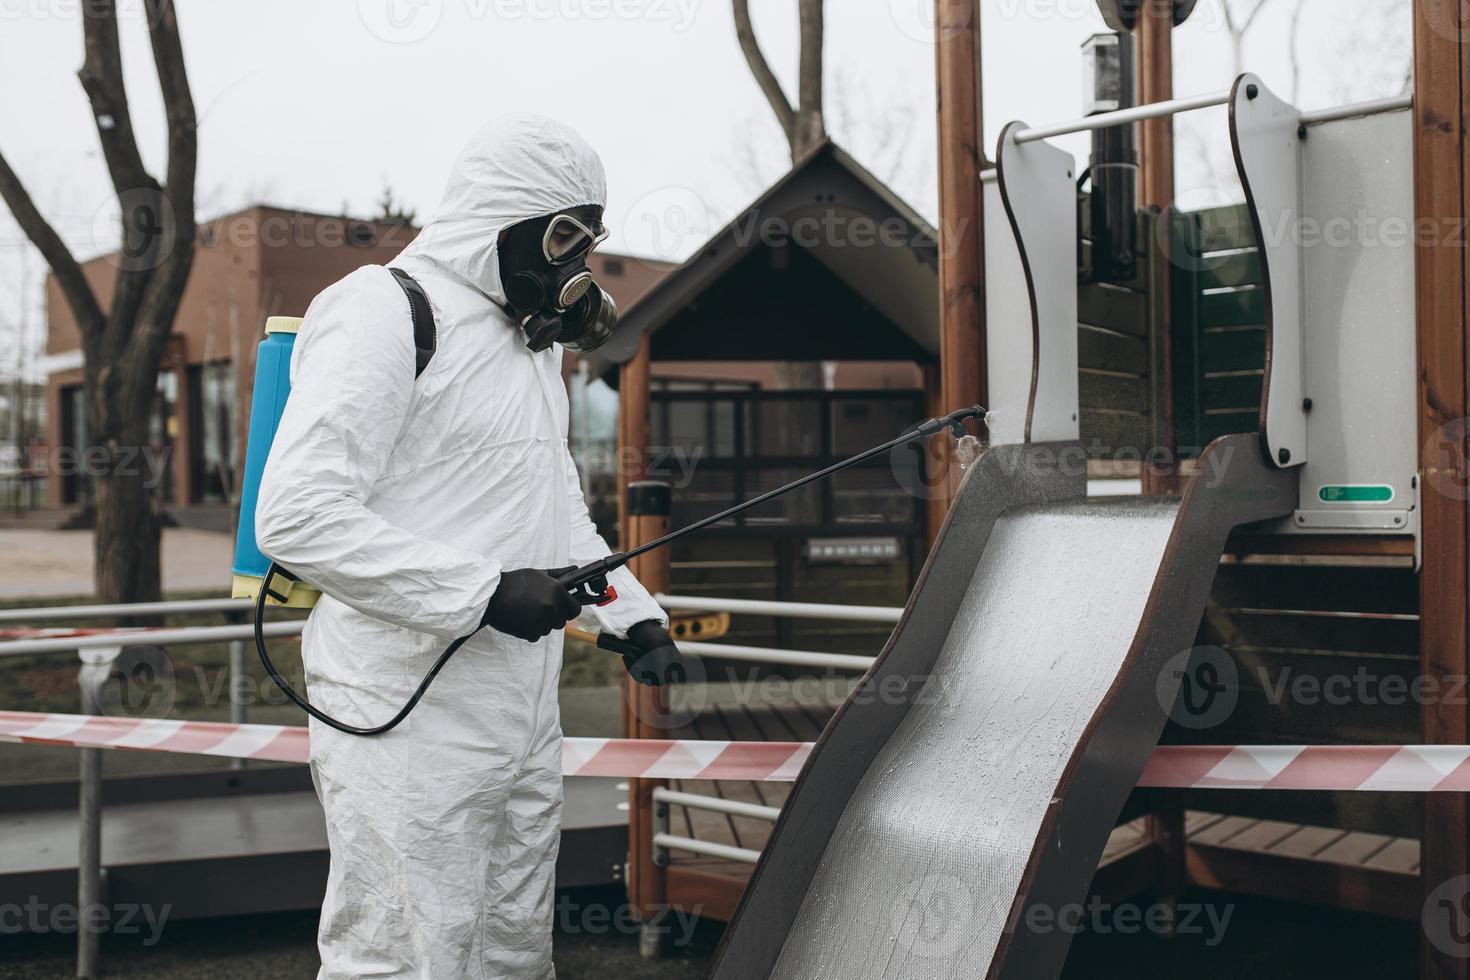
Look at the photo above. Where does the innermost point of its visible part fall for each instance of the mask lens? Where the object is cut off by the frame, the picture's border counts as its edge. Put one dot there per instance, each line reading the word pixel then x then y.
pixel 568 239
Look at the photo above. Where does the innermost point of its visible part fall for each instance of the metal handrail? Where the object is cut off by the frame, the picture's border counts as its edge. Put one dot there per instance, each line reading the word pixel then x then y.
pixel 674 842
pixel 125 609
pixel 152 637
pixel 793 610
pixel 716 804
pixel 773 655
pixel 1120 117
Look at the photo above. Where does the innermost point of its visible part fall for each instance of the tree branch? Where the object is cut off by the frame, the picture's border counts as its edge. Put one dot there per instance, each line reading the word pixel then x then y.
pixel 165 289
pixel 79 295
pixel 810 128
pixel 764 77
pixel 101 76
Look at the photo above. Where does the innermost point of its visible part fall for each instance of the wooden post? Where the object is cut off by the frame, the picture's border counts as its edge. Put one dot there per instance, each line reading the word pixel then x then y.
pixel 633 400
pixel 1156 190
pixel 1440 208
pixel 962 366
pixel 636 525
pixel 648 505
pixel 1164 824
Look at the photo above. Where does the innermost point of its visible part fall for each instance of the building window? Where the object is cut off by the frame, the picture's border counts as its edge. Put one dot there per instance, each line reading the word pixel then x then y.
pixel 214 425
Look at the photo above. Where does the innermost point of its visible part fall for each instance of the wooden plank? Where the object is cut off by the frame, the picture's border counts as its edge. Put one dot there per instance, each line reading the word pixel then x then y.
pixel 1112 308
pixel 1381 590
pixel 1220 832
pixel 1358 889
pixel 1440 190
pixel 1363 545
pixel 1123 394
pixel 1262 836
pixel 1235 392
pixel 1401 855
pixel 1235 269
pixel 1224 228
pixel 1242 307
pixel 1106 434
pixel 1234 349
pixel 1345 634
pixel 1354 848
pixel 1308 842
pixel 1105 350
pixel 705 893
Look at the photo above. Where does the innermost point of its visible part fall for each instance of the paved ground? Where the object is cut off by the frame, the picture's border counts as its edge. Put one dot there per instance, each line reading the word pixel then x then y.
pixel 283 947
pixel 1270 940
pixel 59 563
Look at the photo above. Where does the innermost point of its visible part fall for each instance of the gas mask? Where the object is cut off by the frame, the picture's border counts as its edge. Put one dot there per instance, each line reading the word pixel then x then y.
pixel 548 288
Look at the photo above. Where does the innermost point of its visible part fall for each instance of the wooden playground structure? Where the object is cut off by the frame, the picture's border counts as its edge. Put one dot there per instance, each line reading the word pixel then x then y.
pixel 1172 358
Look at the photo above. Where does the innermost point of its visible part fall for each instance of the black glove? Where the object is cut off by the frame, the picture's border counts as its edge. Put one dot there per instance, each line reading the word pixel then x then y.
pixel 530 603
pixel 659 661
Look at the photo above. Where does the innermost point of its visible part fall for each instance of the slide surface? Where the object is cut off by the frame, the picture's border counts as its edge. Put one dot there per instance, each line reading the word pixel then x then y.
pixel 976 774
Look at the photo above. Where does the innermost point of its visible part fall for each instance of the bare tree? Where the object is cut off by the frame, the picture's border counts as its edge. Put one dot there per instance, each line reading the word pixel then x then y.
pixel 802 123
pixel 123 345
pixel 1240 17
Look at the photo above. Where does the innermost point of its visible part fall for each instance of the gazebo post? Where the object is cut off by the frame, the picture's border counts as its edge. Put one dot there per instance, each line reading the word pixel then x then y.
pixel 642 516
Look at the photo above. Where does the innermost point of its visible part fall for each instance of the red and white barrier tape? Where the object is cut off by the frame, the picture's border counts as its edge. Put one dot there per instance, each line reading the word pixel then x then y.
pixel 1365 768
pixel 621 758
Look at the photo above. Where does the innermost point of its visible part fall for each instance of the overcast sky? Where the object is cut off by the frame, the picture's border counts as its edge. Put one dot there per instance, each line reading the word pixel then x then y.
pixel 322 104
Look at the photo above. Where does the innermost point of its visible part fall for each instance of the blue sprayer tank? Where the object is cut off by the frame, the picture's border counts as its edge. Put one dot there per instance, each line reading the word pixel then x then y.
pixel 272 388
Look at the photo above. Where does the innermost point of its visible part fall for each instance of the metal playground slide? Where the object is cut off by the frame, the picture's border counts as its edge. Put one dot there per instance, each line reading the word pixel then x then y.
pixel 979 770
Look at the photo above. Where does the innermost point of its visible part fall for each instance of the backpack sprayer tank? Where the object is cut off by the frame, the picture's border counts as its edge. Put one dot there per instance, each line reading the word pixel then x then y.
pixel 272 387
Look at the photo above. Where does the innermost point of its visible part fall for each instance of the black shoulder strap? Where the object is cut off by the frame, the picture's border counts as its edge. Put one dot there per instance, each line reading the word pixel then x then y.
pixel 425 335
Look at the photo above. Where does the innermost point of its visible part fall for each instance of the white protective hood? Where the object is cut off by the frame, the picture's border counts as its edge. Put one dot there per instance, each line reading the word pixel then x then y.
pixel 516 167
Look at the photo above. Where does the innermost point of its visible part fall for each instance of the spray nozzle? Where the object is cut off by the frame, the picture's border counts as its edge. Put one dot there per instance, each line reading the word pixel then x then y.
pixel 955 421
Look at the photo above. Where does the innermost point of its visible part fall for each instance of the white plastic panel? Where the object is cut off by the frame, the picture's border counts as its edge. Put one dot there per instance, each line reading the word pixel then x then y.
pixel 1358 326
pixel 1263 130
pixel 1031 290
pixel 1007 323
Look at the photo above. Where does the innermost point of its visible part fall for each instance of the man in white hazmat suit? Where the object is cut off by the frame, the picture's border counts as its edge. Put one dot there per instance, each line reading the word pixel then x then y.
pixel 424 508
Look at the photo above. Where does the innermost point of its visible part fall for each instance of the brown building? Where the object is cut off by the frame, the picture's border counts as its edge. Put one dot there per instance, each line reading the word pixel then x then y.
pixel 252 264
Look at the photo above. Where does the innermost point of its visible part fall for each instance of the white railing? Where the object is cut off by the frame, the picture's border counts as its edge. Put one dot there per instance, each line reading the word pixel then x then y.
pixel 791 610
pixel 716 804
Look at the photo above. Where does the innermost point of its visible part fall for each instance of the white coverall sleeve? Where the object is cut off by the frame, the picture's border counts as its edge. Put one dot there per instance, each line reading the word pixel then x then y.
pixel 352 374
pixel 633 604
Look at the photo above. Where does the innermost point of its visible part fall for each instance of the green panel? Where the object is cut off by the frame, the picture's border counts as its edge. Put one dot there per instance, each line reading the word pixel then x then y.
pixel 1202 352
pixel 1214 426
pixel 1104 351
pixel 1355 493
pixel 1240 269
pixel 1238 309
pixel 1115 309
pixel 1233 350
pixel 1221 229
pixel 1232 392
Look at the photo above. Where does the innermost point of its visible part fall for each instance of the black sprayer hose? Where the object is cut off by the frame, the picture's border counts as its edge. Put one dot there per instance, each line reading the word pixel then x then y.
pixel 312 709
pixel 575 579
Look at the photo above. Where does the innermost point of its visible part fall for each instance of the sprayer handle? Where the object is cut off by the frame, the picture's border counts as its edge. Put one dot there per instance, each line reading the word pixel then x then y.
pixel 588 584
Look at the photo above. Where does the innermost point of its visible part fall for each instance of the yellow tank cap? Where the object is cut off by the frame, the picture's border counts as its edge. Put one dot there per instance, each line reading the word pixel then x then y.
pixel 282 324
